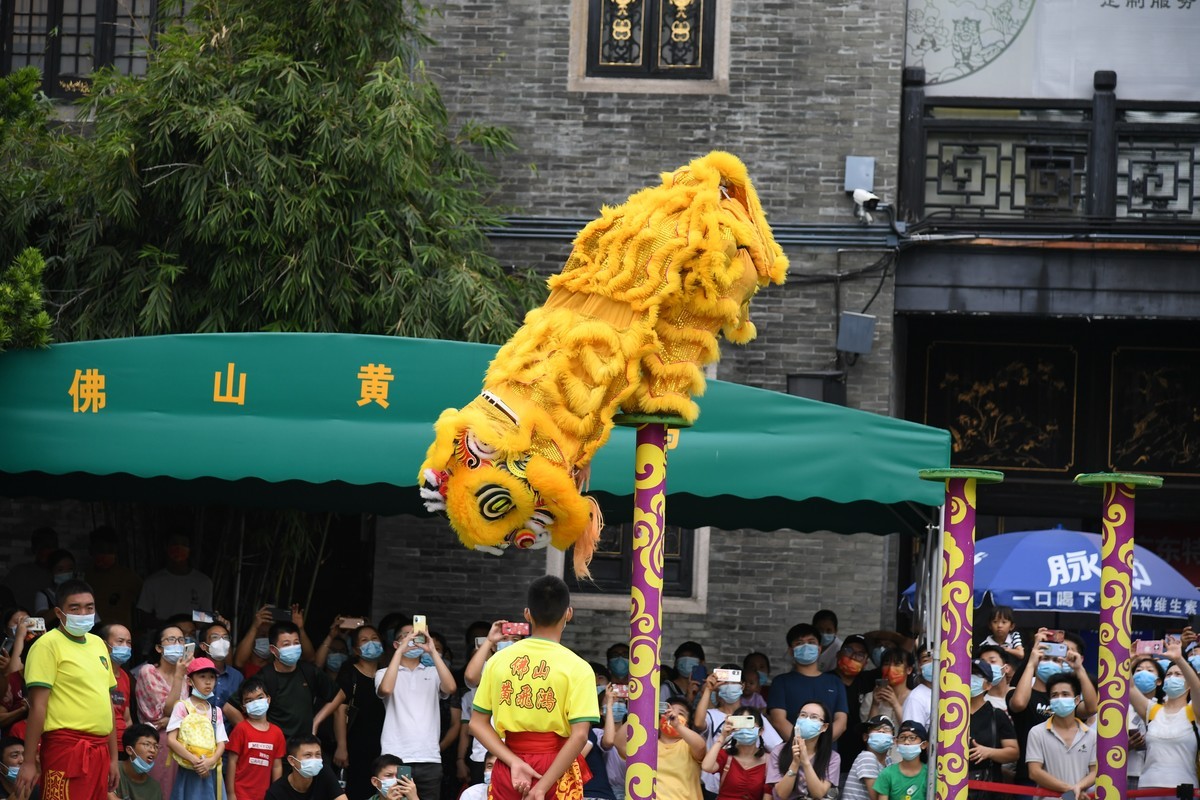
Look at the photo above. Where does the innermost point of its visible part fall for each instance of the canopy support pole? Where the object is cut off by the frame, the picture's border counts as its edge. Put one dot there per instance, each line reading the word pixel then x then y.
pixel 1116 592
pixel 953 675
pixel 645 612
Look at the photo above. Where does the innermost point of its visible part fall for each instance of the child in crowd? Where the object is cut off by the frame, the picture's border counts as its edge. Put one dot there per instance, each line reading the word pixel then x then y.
pixel 1004 633
pixel 140 743
pixel 879 736
pixel 906 780
pixel 12 756
pixel 256 747
pixel 196 736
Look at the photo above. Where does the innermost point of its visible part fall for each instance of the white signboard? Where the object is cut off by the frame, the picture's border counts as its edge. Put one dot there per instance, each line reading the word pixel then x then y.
pixel 1051 48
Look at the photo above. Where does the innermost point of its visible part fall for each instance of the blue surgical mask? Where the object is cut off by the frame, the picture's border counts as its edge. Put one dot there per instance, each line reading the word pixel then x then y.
pixel 1174 686
pixel 763 678
pixel 828 639
pixel 908 752
pixel 997 673
pixel 684 665
pixel 121 654
pixel 976 686
pixel 201 696
pixel 79 624
pixel 427 660
pixel 503 643
pixel 927 671
pixel 877 656
pixel 1195 662
pixel 371 650
pixel 310 767
pixel 1066 669
pixel 289 656
pixel 1145 681
pixel 879 742
pixel 487 778
pixel 140 765
pixel 618 666
pixel 258 708
pixel 386 785
pixel 730 692
pixel 620 711
pixel 172 652
pixel 1047 670
pixel 1165 663
pixel 62 577
pixel 12 772
pixel 262 647
pixel 414 652
pixel 806 654
pixel 808 728
pixel 746 735
pixel 1062 706
pixel 334 661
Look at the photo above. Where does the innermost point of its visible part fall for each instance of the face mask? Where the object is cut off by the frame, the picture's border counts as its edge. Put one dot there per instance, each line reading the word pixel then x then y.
pixel 1195 662
pixel 218 650
pixel 414 652
pixel 1174 686
pixel 386 784
pixel 289 656
pixel 503 644
pixel 666 728
pixel 1047 670
pixel 729 693
pixel 927 672
pixel 12 772
pixel 684 665
pixel 618 666
pixel 909 751
pixel 877 656
pixel 140 765
pixel 310 767
pixel 487 778
pixel 808 728
pixel 371 650
pixel 334 661
pixel 427 661
pixel 879 742
pixel 262 647
pixel 62 577
pixel 178 552
pixel 620 711
pixel 746 735
pixel 849 666
pixel 1062 706
pixel 258 708
pixel 763 678
pixel 121 654
pixel 805 654
pixel 79 624
pixel 828 639
pixel 895 675
pixel 1145 681
pixel 172 653
pixel 1165 663
pixel 1066 669
pixel 201 695
pixel 976 686
pixel 997 673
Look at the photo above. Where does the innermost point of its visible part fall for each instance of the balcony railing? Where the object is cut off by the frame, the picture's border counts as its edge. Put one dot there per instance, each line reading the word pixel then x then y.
pixel 1099 162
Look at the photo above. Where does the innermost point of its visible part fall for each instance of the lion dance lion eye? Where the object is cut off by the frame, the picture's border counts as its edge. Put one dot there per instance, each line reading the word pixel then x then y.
pixel 494 502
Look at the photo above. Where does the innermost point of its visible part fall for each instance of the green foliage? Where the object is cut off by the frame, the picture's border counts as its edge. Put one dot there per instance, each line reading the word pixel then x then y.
pixel 23 321
pixel 283 166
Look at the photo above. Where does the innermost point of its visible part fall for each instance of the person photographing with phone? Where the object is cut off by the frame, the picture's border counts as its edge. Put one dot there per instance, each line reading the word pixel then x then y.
pixel 1170 734
pixel 536 704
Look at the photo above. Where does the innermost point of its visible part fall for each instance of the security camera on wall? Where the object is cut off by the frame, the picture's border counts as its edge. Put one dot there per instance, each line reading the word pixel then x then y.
pixel 864 203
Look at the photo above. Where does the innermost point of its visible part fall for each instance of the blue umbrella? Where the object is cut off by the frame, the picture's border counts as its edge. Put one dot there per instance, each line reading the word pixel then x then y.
pixel 1059 571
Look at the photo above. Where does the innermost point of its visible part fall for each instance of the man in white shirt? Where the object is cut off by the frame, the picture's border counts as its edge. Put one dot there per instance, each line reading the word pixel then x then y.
pixel 919 705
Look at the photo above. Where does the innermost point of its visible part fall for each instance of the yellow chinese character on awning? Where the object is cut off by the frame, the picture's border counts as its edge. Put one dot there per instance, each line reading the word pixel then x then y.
pixel 87 391
pixel 375 379
pixel 229 396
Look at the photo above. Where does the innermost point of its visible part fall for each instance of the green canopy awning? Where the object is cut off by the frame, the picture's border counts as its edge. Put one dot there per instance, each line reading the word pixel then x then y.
pixel 341 422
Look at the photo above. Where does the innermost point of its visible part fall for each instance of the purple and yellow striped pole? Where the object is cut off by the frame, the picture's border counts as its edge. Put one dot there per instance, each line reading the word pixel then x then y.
pixel 645 615
pixel 1116 594
pixel 958 607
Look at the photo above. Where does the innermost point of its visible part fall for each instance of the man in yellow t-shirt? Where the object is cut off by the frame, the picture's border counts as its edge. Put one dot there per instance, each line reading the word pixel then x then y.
pixel 68 678
pixel 536 704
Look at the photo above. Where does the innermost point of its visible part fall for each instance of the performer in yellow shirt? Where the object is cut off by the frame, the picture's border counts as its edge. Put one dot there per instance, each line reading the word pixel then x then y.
pixel 68 677
pixel 536 704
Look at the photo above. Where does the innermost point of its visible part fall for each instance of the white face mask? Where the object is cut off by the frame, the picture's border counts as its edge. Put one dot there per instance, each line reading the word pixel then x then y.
pixel 219 649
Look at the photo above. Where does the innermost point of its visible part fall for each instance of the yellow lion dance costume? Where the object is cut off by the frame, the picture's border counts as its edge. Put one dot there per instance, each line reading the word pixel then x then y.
pixel 629 325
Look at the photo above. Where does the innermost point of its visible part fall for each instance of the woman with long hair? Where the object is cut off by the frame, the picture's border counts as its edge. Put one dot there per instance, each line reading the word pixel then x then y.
pixel 739 756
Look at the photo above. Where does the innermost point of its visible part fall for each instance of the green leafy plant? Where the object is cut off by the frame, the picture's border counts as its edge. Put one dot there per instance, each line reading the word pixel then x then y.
pixel 23 321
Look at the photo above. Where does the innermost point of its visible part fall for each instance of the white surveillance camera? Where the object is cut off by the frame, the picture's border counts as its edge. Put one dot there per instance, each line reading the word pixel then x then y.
pixel 867 200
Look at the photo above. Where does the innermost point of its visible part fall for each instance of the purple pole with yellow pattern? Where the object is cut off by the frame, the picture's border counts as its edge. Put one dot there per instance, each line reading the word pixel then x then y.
pixel 645 615
pixel 954 659
pixel 1116 594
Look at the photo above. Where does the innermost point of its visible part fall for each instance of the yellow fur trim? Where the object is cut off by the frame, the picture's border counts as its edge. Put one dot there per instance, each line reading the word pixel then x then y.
pixel 469 491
